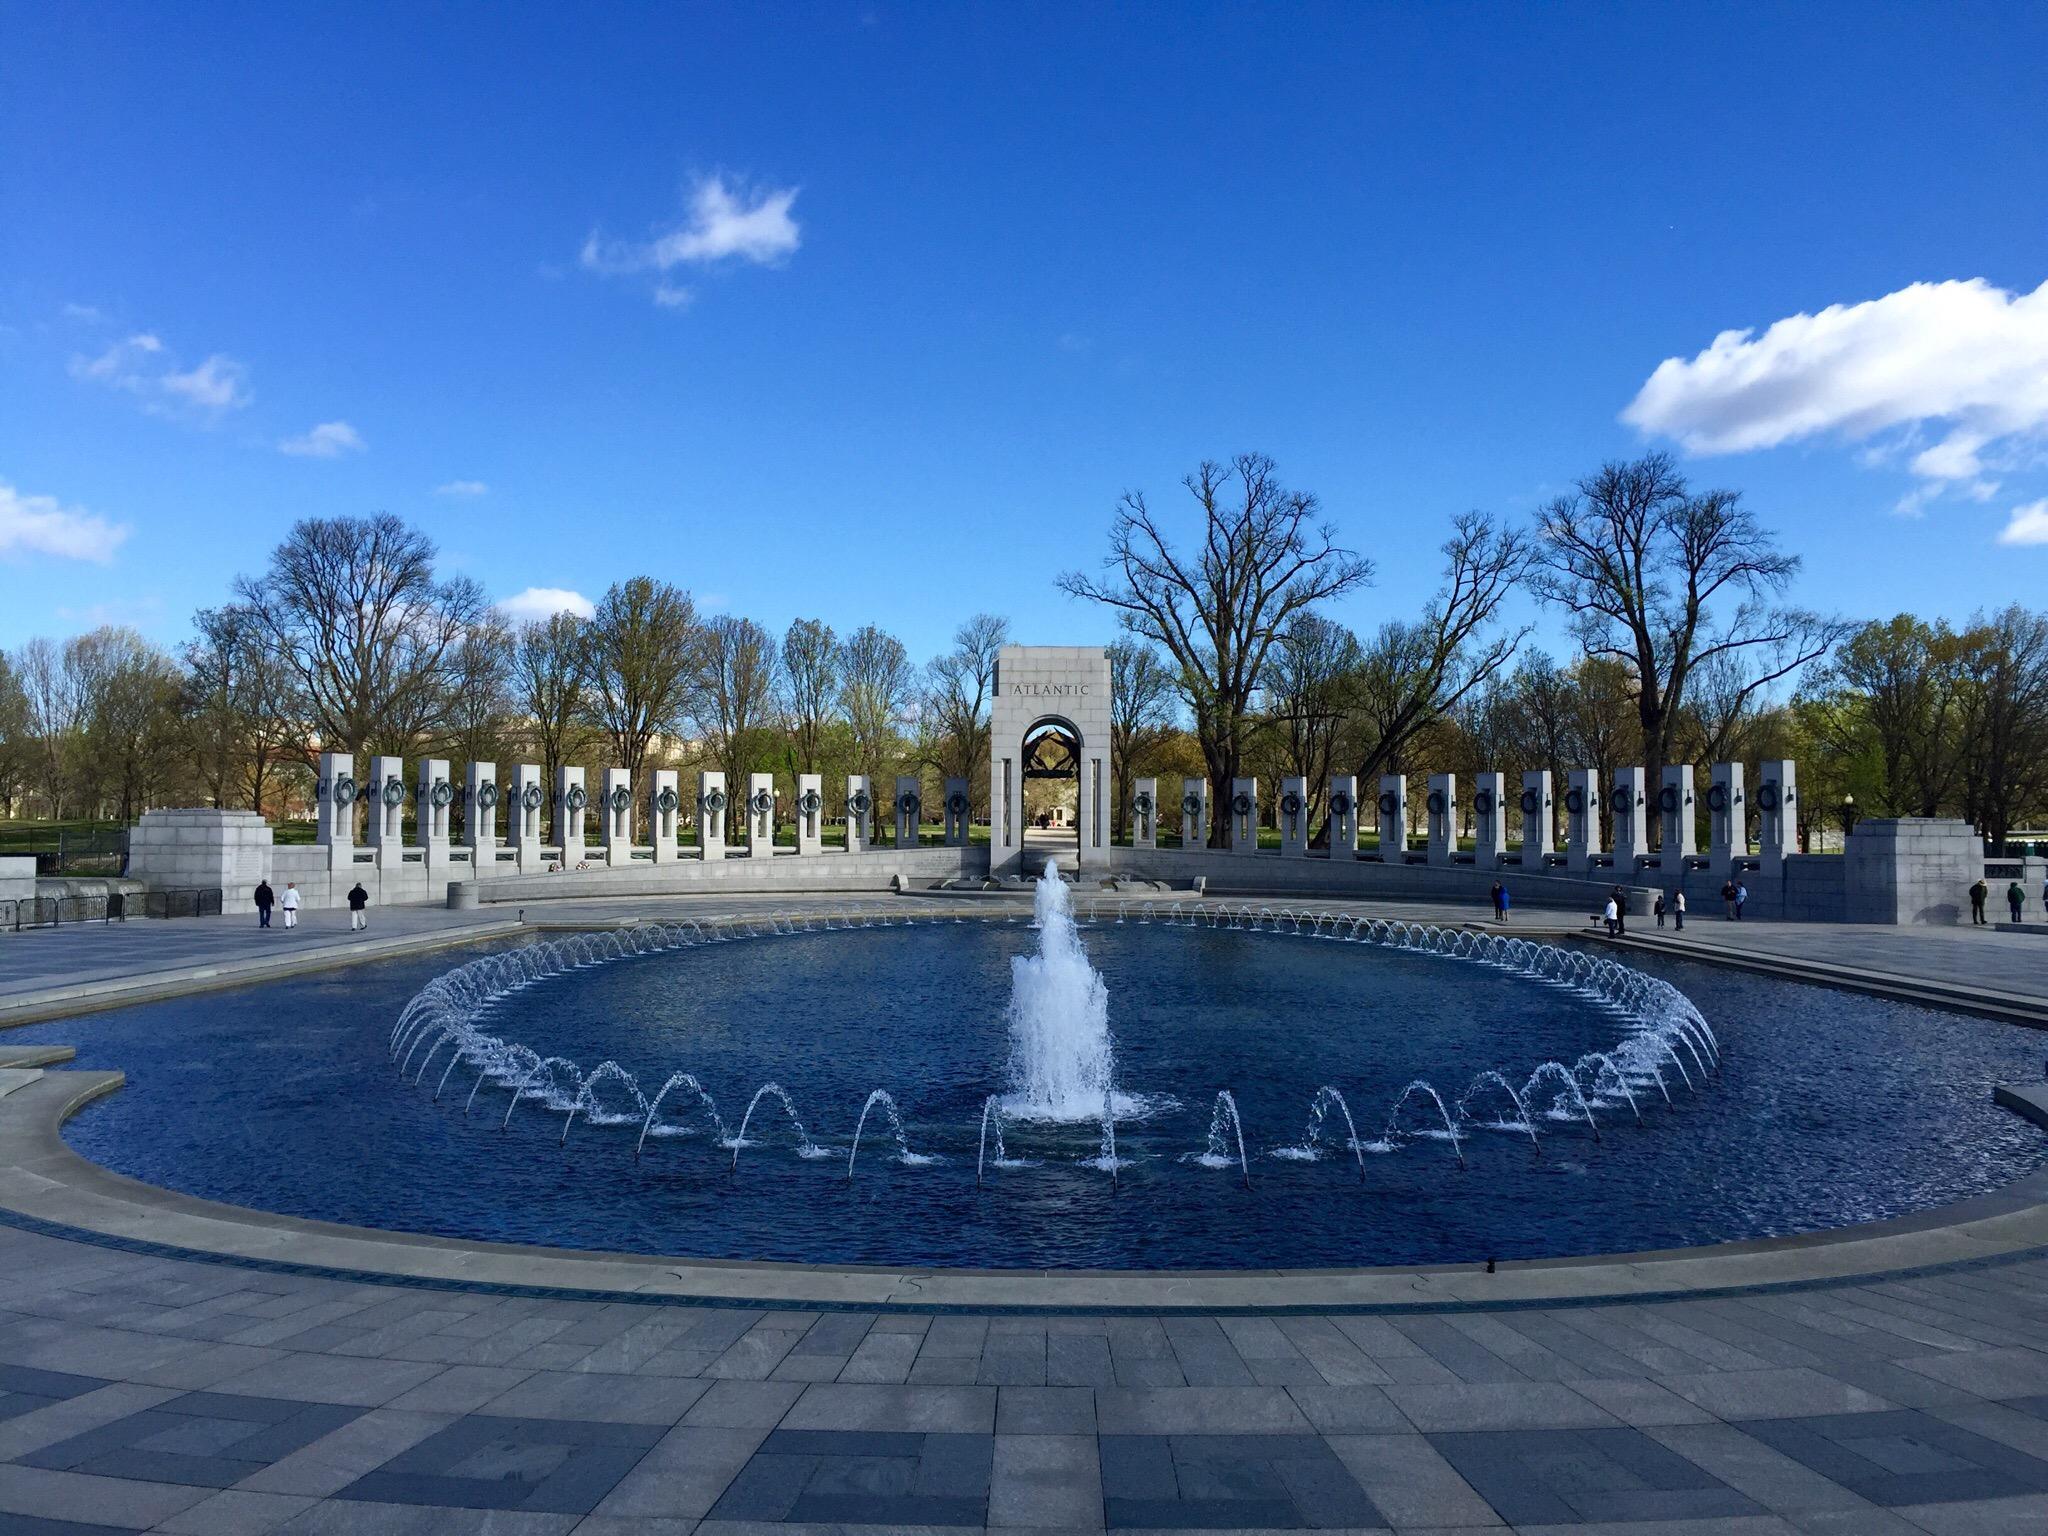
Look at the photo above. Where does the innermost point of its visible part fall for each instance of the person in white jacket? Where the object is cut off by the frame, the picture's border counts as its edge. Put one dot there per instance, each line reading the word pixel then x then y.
pixel 289 903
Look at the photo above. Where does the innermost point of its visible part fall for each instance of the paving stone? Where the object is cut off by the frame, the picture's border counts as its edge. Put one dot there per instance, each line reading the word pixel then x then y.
pixel 1045 1480
pixel 237 1512
pixel 588 1396
pixel 840 1405
pixel 1903 1457
pixel 1497 1406
pixel 882 1357
pixel 1987 1372
pixel 1411 1484
pixel 1791 1392
pixel 481 1461
pixel 685 1474
pixel 1045 1411
pixel 1558 1476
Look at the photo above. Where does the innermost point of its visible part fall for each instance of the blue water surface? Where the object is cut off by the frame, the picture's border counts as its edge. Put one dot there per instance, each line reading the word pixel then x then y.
pixel 1829 1107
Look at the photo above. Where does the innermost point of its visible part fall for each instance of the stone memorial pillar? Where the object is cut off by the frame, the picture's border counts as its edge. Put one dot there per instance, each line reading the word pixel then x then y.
pixel 1677 816
pixel 909 807
pixel 665 815
pixel 711 815
pixel 387 810
pixel 524 816
pixel 1536 807
pixel 336 794
pixel 1777 804
pixel 1393 818
pixel 1194 815
pixel 1093 802
pixel 1442 806
pixel 1293 809
pixel 760 815
pixel 434 819
pixel 616 817
pixel 480 817
pixel 1145 814
pixel 1490 821
pixel 860 814
pixel 810 814
pixel 1343 816
pixel 1629 806
pixel 1727 818
pixel 957 808
pixel 1244 816
pixel 1583 839
pixel 572 803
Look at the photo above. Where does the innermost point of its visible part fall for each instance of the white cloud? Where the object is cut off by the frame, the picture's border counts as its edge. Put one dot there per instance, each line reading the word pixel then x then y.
pixel 544 603
pixel 465 488
pixel 86 314
pixel 329 440
pixel 725 221
pixel 1963 361
pixel 142 366
pixel 40 525
pixel 2027 525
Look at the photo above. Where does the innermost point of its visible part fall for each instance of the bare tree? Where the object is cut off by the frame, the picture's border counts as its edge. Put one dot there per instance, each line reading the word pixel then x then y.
pixel 1264 557
pixel 958 693
pixel 1142 689
pixel 2006 719
pixel 643 652
pixel 1312 674
pixel 1908 682
pixel 128 695
pixel 549 663
pixel 1542 698
pixel 810 688
pixel 17 745
pixel 875 687
pixel 735 693
pixel 52 720
pixel 1414 674
pixel 242 712
pixel 353 608
pixel 1663 581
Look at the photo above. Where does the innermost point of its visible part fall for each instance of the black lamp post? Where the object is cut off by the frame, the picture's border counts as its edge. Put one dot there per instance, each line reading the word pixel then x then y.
pixel 1848 819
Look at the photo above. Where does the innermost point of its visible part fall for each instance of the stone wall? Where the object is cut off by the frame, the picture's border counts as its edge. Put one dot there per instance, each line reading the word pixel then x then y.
pixel 873 871
pixel 227 851
pixel 1268 873
pixel 17 878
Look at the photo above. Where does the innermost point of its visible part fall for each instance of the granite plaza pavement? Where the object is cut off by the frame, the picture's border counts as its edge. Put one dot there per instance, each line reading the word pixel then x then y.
pixel 142 1389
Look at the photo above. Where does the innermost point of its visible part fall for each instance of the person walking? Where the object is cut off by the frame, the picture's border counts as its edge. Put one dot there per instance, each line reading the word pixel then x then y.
pixel 1678 909
pixel 1500 901
pixel 1741 899
pixel 1507 901
pixel 290 903
pixel 1659 909
pixel 358 899
pixel 266 898
pixel 2016 898
pixel 1728 901
pixel 1620 900
pixel 1979 894
pixel 1612 913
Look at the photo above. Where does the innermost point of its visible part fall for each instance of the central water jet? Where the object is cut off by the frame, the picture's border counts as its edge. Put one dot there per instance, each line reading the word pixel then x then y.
pixel 1062 1062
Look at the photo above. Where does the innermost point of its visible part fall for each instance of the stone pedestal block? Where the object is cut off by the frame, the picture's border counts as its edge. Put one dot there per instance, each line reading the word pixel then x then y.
pixel 615 817
pixel 1442 806
pixel 1490 821
pixel 1294 818
pixel 1537 809
pixel 860 813
pixel 760 815
pixel 1145 814
pixel 1243 816
pixel 1393 818
pixel 1910 870
pixel 1583 839
pixel 1343 815
pixel 810 814
pixel 203 850
pixel 665 815
pixel 711 809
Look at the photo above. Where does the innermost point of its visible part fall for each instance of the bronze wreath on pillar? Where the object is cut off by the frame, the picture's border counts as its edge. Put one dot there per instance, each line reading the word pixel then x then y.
pixel 394 791
pixel 487 796
pixel 714 801
pixel 1532 802
pixel 1340 804
pixel 532 797
pixel 622 797
pixel 858 802
pixel 344 791
pixel 1192 804
pixel 441 794
pixel 576 799
pixel 667 800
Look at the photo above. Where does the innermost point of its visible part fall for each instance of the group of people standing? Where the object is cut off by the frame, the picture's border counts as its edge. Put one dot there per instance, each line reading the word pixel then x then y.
pixel 288 903
pixel 2015 900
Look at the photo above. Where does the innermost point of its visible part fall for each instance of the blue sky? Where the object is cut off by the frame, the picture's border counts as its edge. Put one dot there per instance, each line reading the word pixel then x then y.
pixel 869 312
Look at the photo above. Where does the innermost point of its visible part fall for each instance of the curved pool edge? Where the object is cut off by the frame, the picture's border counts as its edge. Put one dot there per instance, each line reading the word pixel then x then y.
pixel 48 1186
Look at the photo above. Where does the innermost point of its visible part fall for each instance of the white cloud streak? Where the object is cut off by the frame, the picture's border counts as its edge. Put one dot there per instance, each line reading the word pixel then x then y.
pixel 725 222
pixel 141 366
pixel 329 440
pixel 1965 363
pixel 2027 525
pixel 462 488
pixel 40 525
pixel 544 603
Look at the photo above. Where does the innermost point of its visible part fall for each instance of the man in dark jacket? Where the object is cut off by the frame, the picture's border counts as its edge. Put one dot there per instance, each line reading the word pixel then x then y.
pixel 266 898
pixel 358 899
